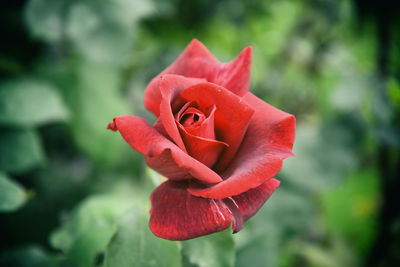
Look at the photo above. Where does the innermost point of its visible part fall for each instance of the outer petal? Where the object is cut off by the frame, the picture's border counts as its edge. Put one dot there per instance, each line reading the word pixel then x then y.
pixel 232 116
pixel 235 75
pixel 177 215
pixel 269 139
pixel 197 62
pixel 161 154
pixel 166 86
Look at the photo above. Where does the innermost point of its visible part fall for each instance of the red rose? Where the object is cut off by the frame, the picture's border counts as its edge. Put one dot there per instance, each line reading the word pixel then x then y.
pixel 218 145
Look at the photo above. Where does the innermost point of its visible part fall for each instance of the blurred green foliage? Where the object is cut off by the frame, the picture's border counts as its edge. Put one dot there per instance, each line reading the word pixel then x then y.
pixel 74 194
pixel 212 250
pixel 21 150
pixel 29 103
pixel 135 245
pixel 12 195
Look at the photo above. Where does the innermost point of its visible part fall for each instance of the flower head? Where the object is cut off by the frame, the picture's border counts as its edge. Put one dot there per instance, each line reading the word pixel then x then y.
pixel 218 144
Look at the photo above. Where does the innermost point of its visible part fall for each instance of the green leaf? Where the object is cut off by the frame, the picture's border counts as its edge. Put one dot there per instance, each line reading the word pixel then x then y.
pixel 20 150
pixel 45 19
pixel 92 94
pixel 105 32
pixel 134 245
pixel 29 102
pixel 12 195
pixel 216 250
pixel 90 227
pixel 33 256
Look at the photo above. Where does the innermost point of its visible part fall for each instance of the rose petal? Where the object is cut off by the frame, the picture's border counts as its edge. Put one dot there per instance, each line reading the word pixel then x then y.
pixel 232 116
pixel 192 117
pixel 171 85
pixel 269 140
pixel 235 75
pixel 177 215
pixel 197 62
pixel 200 140
pixel 161 154
pixel 204 128
pixel 205 150
pixel 152 96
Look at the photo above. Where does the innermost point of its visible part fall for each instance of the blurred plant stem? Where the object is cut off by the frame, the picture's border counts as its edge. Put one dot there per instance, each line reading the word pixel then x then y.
pixel 384 251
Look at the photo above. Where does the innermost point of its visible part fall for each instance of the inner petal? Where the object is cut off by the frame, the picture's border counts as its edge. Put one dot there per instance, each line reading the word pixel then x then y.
pixel 192 117
pixel 232 116
pixel 197 132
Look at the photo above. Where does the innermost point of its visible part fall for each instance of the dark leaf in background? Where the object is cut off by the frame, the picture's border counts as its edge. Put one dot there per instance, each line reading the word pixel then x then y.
pixel 12 195
pixel 33 256
pixel 20 150
pixel 91 92
pixel 30 102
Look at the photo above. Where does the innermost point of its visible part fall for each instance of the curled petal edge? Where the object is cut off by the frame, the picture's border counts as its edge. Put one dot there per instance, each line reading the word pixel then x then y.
pixel 161 154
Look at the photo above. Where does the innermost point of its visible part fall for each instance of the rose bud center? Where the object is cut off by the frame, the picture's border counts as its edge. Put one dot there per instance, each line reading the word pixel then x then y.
pixel 192 118
pixel 197 131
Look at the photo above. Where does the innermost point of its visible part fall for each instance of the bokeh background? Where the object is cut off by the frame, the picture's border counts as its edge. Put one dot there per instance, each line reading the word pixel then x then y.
pixel 74 194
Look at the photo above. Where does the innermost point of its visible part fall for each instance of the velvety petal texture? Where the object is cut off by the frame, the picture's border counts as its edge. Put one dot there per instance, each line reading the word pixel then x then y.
pixel 268 140
pixel 219 145
pixel 178 215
